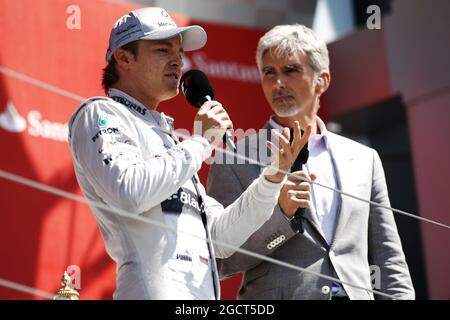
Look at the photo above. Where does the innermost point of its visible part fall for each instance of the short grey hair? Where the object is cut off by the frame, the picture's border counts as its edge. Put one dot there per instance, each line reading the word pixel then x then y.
pixel 292 39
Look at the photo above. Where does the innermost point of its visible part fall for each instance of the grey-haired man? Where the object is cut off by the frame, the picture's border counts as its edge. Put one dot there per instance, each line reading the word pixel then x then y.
pixel 343 238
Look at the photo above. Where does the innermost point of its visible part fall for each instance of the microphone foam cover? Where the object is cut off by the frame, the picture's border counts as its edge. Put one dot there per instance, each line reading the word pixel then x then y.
pixel 195 86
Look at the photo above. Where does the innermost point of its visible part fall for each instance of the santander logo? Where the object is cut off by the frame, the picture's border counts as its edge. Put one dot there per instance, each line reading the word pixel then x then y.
pixel 34 124
pixel 227 70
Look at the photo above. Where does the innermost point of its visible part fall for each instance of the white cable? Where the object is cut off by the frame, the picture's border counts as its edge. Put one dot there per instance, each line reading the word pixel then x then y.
pixel 26 289
pixel 123 213
pixel 289 174
pixel 82 200
pixel 70 95
pixel 340 191
pixel 40 84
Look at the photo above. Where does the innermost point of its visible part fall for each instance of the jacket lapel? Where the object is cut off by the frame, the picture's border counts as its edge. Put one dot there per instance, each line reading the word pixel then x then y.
pixel 311 216
pixel 342 162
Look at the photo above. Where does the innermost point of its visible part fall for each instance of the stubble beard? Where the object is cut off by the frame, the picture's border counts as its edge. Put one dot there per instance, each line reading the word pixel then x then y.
pixel 285 110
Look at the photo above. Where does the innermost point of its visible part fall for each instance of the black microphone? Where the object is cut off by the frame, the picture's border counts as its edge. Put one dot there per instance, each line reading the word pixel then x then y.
pixel 197 89
pixel 302 158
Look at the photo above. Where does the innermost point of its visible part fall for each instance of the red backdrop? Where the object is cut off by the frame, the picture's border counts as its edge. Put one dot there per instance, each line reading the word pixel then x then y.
pixel 42 234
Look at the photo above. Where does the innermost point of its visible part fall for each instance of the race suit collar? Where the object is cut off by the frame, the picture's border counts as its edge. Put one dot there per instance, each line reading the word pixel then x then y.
pixel 137 108
pixel 133 105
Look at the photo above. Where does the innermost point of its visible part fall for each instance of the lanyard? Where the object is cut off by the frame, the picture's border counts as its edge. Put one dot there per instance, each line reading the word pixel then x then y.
pixel 167 124
pixel 195 182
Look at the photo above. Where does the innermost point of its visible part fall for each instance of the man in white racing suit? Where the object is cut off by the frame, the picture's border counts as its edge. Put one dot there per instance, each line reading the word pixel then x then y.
pixel 128 159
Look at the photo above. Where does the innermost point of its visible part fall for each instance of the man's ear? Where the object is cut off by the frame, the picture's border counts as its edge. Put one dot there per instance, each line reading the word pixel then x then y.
pixel 123 58
pixel 323 82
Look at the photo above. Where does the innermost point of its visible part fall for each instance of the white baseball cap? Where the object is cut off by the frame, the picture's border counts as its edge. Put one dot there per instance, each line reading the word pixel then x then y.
pixel 152 23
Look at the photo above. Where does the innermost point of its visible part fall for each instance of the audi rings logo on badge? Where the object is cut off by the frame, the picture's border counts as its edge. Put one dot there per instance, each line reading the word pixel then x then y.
pixel 276 242
pixel 12 121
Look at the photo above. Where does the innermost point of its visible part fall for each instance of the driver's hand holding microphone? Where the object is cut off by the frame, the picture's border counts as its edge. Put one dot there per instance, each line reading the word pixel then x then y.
pixel 211 122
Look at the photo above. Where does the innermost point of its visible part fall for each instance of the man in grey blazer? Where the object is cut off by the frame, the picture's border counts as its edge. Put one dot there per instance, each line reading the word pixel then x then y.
pixel 351 240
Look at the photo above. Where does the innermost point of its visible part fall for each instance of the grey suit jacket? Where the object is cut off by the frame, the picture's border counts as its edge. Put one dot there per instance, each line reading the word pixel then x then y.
pixel 366 247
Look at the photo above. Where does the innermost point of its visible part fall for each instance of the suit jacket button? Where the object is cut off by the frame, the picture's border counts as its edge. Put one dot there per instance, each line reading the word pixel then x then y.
pixel 325 290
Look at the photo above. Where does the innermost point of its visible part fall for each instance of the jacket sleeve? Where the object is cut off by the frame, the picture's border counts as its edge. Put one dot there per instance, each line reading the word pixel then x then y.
pixel 224 186
pixel 111 158
pixel 385 249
